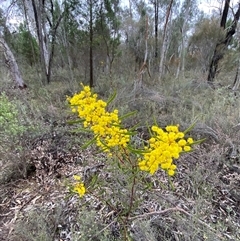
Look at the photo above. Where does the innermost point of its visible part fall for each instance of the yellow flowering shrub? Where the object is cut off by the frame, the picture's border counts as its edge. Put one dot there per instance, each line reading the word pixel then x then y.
pixel 159 152
pixel 164 146
pixel 105 125
pixel 78 187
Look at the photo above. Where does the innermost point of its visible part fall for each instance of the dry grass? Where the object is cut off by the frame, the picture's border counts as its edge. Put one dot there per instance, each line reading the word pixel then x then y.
pixel 204 205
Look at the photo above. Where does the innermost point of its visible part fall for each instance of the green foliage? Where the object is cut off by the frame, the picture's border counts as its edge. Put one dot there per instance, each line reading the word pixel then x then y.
pixel 197 185
pixel 181 25
pixel 11 149
pixel 9 124
pixel 26 45
pixel 106 31
pixel 202 42
pixel 70 24
pixel 126 160
pixel 37 225
pixel 90 228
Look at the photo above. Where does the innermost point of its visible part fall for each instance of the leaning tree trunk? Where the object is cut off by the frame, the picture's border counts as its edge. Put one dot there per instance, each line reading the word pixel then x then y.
pixel 222 45
pixel 237 78
pixel 12 64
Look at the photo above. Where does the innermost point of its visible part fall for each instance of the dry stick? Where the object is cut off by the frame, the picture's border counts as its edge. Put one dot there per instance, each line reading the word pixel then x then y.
pixel 17 212
pixel 102 230
pixel 180 210
pixel 131 197
pixel 113 208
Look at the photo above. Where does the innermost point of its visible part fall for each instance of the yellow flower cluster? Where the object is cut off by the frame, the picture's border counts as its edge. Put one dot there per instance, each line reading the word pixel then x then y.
pixel 105 125
pixel 79 187
pixel 164 146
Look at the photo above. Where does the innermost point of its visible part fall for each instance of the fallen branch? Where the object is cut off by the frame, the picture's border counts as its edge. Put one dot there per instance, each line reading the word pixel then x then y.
pixel 177 209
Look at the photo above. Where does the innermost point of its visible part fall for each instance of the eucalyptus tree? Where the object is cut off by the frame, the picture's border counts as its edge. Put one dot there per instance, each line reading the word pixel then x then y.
pixel 158 14
pixel 25 45
pixel 71 36
pixel 156 6
pixel 10 59
pixel 202 42
pixel 183 20
pixel 110 29
pixel 97 24
pixel 11 63
pixel 170 25
pixel 136 31
pixel 165 43
pixel 224 41
pixel 44 18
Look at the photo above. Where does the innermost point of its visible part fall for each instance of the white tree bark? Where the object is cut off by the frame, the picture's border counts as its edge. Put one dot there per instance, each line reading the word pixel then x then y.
pixel 37 27
pixel 181 65
pixel 163 56
pixel 29 16
pixel 164 41
pixel 237 78
pixel 12 64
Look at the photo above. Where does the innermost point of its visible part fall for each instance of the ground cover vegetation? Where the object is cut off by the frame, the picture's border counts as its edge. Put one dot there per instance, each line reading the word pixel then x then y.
pixel 118 157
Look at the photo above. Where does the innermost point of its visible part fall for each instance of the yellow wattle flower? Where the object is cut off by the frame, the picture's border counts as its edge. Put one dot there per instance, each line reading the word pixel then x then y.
pixel 164 147
pixel 105 125
pixel 77 177
pixel 79 189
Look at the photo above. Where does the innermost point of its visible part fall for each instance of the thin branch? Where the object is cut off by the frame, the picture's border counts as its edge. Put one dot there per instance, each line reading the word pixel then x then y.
pixel 177 209
pixel 96 235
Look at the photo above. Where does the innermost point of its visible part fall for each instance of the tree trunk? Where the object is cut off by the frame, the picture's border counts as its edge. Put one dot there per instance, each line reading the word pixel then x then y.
pixel 66 46
pixel 222 45
pixel 237 78
pixel 44 59
pixel 183 29
pixel 164 42
pixel 156 10
pixel 34 12
pixel 54 26
pixel 91 45
pixel 37 17
pixel 12 64
pixel 130 9
pixel 138 82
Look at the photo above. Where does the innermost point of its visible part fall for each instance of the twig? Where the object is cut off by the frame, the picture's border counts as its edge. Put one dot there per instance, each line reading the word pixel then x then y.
pixel 179 210
pixel 153 213
pixel 102 230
